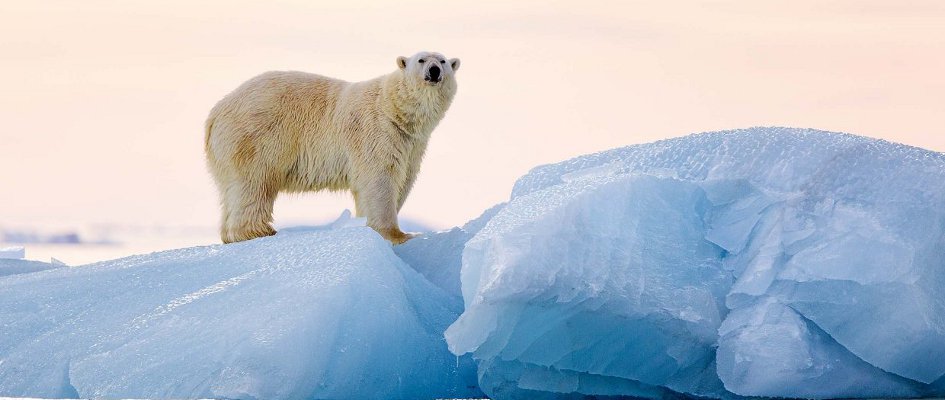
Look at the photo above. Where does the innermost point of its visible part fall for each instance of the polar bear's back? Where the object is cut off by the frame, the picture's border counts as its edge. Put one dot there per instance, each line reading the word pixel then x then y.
pixel 281 97
pixel 271 124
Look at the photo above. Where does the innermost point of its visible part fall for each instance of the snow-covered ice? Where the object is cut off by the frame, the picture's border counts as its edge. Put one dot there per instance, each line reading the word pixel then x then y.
pixel 12 262
pixel 15 266
pixel 318 314
pixel 760 262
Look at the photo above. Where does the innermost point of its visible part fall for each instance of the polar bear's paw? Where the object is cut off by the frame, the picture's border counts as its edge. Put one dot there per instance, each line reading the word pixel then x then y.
pixel 247 233
pixel 396 236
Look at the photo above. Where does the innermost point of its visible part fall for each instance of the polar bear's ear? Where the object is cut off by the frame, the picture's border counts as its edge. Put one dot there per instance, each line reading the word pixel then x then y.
pixel 401 62
pixel 454 62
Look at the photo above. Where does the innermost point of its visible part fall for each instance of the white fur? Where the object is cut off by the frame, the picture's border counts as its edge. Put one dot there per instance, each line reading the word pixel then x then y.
pixel 295 132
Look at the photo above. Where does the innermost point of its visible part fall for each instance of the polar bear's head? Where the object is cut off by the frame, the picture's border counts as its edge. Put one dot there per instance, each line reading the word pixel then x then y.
pixel 428 68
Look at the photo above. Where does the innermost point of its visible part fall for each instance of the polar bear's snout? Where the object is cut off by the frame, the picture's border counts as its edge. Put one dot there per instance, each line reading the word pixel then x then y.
pixel 433 74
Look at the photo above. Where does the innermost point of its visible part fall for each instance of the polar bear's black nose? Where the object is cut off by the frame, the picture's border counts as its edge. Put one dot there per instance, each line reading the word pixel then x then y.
pixel 434 74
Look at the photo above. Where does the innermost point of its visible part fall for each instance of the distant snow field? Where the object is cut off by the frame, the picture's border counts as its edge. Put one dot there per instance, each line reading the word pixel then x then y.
pixel 78 244
pixel 770 262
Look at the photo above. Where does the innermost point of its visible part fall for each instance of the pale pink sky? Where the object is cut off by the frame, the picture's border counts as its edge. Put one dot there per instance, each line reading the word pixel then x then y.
pixel 103 102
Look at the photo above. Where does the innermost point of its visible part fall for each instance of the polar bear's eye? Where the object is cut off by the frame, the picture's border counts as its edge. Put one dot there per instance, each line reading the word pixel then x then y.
pixel 442 61
pixel 421 61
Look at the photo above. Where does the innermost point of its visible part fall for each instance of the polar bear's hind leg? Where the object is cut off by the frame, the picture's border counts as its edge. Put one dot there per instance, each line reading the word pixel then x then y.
pixel 247 211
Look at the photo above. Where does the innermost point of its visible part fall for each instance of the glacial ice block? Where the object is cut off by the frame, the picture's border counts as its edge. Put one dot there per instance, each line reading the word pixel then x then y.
pixel 563 280
pixel 320 314
pixel 438 256
pixel 759 262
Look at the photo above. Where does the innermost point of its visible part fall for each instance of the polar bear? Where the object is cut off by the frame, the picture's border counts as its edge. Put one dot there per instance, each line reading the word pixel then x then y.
pixel 295 132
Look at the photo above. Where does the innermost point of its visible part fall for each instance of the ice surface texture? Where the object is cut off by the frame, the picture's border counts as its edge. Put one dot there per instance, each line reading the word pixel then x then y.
pixel 318 314
pixel 15 266
pixel 760 262
pixel 438 256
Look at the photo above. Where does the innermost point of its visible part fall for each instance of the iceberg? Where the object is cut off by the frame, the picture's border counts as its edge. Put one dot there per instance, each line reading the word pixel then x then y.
pixel 12 253
pixel 760 262
pixel 772 262
pixel 562 280
pixel 317 314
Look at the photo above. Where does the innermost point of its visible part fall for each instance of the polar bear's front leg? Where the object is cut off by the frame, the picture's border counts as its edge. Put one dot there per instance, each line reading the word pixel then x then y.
pixel 403 192
pixel 377 199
